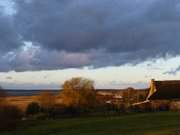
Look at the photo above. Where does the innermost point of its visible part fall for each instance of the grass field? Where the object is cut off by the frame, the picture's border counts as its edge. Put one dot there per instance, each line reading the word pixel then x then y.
pixel 164 123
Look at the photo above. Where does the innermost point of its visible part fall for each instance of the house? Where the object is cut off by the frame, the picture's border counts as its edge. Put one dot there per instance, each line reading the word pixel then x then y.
pixel 164 90
pixel 110 96
pixel 163 94
pixel 121 96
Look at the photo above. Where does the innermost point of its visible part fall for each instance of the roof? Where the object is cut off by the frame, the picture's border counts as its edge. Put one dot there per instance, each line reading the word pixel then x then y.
pixel 164 90
pixel 140 103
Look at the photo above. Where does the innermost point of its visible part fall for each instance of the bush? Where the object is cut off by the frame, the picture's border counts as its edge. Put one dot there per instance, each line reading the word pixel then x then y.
pixel 174 106
pixel 59 110
pixel 32 108
pixel 161 105
pixel 9 115
pixel 47 100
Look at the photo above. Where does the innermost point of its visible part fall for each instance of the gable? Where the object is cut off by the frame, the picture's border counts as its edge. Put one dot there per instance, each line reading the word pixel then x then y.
pixel 165 90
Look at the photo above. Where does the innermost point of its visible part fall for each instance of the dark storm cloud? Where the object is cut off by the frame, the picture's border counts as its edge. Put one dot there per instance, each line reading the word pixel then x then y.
pixel 76 33
pixel 9 38
pixel 117 26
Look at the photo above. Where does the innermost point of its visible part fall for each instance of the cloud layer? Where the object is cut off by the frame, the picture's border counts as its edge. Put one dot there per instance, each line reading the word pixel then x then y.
pixel 79 33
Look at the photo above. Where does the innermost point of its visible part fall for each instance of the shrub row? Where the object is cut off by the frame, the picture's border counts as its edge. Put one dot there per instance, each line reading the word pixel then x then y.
pixel 9 116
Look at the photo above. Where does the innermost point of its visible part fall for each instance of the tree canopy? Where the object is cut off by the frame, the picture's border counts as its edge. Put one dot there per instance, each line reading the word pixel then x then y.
pixel 79 92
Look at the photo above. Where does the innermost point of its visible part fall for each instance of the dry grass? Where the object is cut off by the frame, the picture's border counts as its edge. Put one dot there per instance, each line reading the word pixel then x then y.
pixel 22 101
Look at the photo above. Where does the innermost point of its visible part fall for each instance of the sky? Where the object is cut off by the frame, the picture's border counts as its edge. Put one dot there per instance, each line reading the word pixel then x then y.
pixel 116 43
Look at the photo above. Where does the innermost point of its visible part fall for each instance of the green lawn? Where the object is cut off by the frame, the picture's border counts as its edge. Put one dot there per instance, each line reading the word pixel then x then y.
pixel 165 123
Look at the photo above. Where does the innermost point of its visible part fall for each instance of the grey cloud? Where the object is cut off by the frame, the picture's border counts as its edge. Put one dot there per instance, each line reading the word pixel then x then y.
pixel 173 71
pixel 35 58
pixel 117 26
pixel 9 38
pixel 78 33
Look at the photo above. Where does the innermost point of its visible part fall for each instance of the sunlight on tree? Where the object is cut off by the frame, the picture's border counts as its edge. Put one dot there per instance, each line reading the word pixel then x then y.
pixel 78 92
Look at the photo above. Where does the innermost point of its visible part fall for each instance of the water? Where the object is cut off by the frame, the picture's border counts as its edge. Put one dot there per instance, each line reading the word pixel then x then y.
pixel 28 92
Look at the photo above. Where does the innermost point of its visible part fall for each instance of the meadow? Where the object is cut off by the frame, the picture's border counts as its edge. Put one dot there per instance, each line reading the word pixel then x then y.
pixel 159 123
